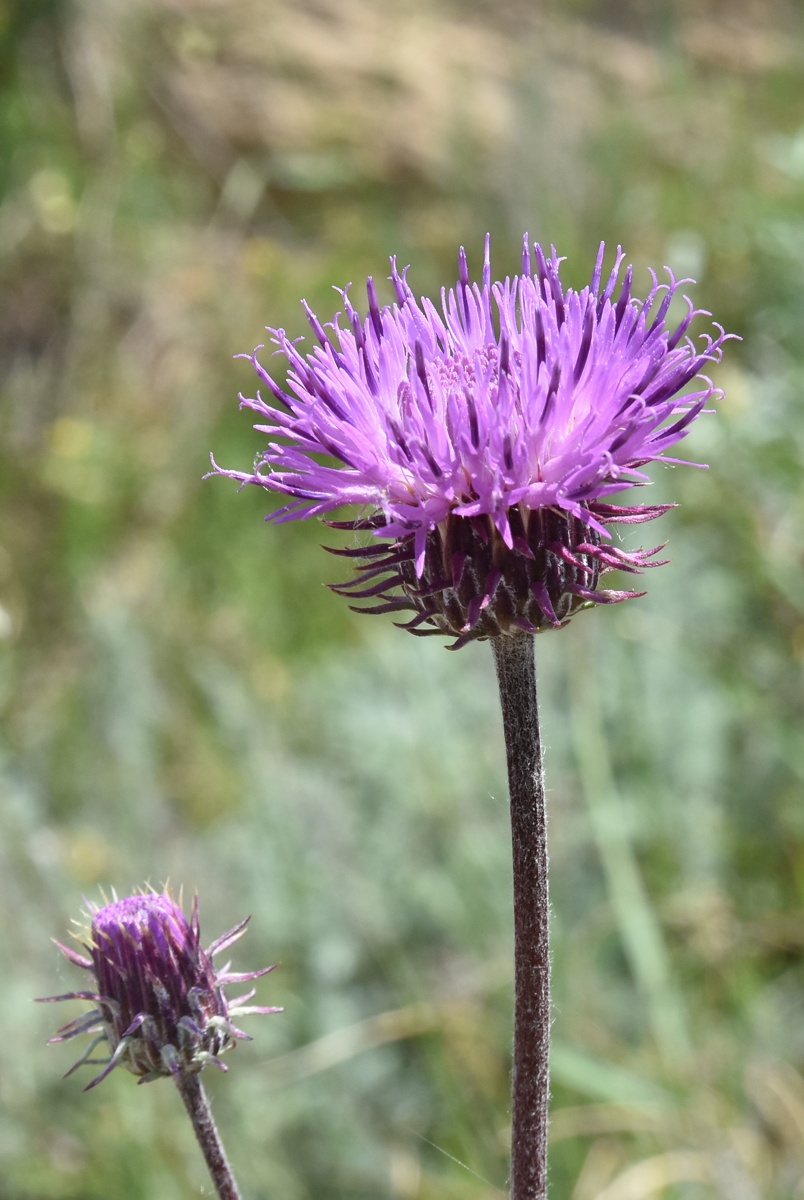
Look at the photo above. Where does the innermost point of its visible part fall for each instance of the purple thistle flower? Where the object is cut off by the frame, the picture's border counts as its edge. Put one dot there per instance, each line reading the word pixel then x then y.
pixel 159 1002
pixel 482 441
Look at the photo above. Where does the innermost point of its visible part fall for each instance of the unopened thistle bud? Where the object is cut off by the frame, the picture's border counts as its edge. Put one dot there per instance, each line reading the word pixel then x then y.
pixel 159 1003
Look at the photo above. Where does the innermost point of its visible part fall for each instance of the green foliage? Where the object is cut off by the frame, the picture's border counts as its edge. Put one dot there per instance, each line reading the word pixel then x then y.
pixel 182 697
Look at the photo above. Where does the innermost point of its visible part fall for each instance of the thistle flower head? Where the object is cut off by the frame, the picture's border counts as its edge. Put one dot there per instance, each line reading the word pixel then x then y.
pixel 483 439
pixel 159 1003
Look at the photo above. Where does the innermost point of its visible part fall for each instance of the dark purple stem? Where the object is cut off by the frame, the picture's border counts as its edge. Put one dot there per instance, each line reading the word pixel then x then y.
pixel 516 675
pixel 195 1101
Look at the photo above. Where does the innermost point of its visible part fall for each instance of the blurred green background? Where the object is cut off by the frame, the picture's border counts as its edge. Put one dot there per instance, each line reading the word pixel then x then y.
pixel 182 698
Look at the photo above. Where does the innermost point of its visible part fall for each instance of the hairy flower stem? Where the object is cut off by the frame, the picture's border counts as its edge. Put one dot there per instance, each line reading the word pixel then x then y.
pixel 516 675
pixel 195 1101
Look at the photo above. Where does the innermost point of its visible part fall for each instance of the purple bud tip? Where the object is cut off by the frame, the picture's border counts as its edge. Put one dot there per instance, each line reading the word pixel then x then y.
pixel 159 1003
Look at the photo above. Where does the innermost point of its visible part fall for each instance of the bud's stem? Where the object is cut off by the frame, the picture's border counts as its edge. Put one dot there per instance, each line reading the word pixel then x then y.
pixel 197 1105
pixel 516 675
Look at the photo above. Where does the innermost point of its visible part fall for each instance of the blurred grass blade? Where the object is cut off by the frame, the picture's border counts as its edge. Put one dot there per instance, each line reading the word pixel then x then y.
pixel 637 923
